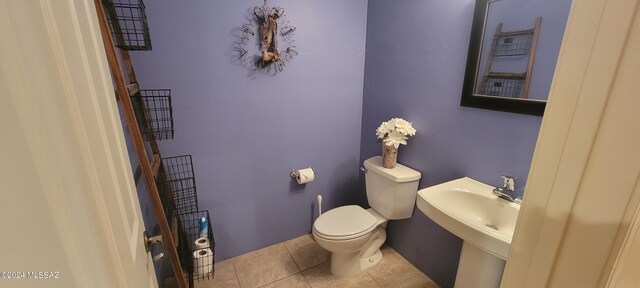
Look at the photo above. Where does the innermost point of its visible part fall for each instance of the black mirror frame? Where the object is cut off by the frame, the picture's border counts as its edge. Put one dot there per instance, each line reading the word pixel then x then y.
pixel 469 99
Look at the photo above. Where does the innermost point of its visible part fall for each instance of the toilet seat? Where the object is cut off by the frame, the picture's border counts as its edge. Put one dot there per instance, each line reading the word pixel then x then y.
pixel 343 223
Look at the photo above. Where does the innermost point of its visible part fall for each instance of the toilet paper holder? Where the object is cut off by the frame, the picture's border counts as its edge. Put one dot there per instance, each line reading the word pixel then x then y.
pixel 295 174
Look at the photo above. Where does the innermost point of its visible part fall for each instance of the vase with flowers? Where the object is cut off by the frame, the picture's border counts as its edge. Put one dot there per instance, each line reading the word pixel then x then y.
pixel 393 133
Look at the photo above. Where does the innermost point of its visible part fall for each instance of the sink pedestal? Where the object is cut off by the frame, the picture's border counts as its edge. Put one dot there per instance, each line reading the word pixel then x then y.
pixel 468 209
pixel 478 268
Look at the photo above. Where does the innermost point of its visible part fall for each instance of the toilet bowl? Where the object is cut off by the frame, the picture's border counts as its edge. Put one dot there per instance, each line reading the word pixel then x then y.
pixel 354 242
pixel 354 235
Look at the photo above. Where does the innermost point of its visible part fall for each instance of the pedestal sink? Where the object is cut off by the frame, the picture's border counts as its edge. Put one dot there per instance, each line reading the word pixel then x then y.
pixel 469 210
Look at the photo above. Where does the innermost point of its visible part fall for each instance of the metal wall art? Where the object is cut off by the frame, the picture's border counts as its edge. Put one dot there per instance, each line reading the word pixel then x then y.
pixel 265 43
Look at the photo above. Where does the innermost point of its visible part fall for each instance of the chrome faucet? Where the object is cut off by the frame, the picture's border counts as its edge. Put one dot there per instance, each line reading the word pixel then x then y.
pixel 508 190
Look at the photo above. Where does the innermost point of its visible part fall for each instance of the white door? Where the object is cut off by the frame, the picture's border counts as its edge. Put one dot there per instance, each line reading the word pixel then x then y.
pixel 584 185
pixel 68 207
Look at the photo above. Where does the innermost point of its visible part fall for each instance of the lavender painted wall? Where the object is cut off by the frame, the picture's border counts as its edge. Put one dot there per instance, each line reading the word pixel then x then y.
pixel 246 134
pixel 416 55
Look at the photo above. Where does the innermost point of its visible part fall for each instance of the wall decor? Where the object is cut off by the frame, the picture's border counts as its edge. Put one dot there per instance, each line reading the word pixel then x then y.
pixel 265 44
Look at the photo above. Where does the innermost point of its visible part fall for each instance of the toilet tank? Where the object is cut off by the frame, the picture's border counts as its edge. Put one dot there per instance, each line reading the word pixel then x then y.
pixel 391 192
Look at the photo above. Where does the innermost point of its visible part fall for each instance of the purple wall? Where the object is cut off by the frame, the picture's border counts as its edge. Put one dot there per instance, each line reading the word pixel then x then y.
pixel 416 55
pixel 247 133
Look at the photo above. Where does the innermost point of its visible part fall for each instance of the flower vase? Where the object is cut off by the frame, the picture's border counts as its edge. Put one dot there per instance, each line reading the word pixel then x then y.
pixel 389 156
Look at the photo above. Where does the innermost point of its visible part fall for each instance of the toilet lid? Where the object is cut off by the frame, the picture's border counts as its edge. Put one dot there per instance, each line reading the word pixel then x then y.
pixel 344 221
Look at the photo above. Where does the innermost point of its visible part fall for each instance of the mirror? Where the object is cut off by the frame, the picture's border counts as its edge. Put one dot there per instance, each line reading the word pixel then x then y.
pixel 512 54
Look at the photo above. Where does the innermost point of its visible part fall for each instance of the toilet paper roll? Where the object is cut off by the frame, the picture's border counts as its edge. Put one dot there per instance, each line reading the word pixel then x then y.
pixel 202 243
pixel 305 175
pixel 203 261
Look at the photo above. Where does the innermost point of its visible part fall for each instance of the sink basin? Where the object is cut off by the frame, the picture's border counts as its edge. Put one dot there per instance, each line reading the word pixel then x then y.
pixel 467 209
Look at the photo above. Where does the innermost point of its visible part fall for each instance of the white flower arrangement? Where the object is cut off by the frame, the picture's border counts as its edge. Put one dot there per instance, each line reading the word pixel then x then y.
pixel 395 132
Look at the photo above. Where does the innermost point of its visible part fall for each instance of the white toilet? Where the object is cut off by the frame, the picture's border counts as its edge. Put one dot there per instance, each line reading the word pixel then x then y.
pixel 354 235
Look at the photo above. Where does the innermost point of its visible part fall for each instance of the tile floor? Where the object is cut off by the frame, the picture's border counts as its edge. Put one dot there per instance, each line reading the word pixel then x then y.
pixel 301 263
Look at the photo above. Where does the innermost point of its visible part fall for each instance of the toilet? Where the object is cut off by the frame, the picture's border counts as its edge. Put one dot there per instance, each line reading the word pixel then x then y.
pixel 354 235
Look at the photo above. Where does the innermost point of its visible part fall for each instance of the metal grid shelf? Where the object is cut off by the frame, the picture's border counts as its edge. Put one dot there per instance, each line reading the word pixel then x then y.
pixel 177 185
pixel 154 113
pixel 502 85
pixel 128 23
pixel 513 44
pixel 200 268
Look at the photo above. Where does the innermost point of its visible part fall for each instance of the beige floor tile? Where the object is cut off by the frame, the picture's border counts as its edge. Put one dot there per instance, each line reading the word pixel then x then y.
pixel 418 281
pixel 321 277
pixel 264 266
pixel 293 281
pixel 392 269
pixel 306 252
pixel 225 277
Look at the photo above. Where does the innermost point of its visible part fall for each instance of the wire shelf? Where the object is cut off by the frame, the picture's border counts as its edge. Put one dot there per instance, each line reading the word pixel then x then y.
pixel 503 86
pixel 154 113
pixel 200 268
pixel 177 185
pixel 513 44
pixel 128 23
pixel 178 195
pixel 178 167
